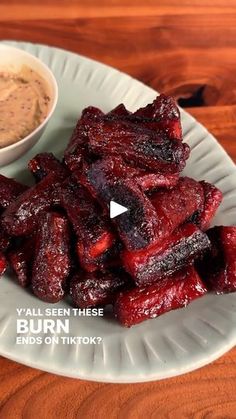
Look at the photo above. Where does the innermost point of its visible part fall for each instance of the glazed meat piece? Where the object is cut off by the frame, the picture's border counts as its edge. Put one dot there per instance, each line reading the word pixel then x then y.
pixel 212 199
pixel 97 288
pixel 162 114
pixel 77 150
pixel 20 259
pixel 145 179
pixel 3 264
pixel 172 207
pixel 10 189
pixel 141 146
pixel 52 262
pixel 138 227
pixel 21 217
pixel 218 268
pixel 43 164
pixel 175 252
pixel 175 206
pixel 139 304
pixel 93 232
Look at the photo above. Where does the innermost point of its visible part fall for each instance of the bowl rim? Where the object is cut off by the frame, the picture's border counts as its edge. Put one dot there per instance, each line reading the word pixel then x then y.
pixel 52 82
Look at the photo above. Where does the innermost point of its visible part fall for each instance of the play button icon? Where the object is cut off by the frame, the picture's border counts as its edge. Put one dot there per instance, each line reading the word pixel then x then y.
pixel 116 209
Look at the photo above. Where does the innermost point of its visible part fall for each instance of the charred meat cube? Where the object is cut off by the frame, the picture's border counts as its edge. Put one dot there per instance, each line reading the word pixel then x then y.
pixel 20 259
pixel 212 199
pixel 97 288
pixel 175 206
pixel 145 179
pixel 77 149
pixel 141 146
pixel 21 217
pixel 162 114
pixel 218 267
pixel 3 264
pixel 43 164
pixel 139 304
pixel 10 189
pixel 92 229
pixel 176 251
pixel 51 266
pixel 138 227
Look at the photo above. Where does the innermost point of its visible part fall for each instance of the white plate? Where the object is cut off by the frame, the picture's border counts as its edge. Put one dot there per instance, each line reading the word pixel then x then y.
pixel 176 342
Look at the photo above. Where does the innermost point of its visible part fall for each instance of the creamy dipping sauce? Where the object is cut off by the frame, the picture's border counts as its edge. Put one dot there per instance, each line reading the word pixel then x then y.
pixel 24 103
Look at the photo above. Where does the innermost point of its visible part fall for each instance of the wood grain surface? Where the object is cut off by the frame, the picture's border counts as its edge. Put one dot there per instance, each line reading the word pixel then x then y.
pixel 188 51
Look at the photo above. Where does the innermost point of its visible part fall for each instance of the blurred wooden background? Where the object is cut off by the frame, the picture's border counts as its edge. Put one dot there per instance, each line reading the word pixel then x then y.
pixel 185 48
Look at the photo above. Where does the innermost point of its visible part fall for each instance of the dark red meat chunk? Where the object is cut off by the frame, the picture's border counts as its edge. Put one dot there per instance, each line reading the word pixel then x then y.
pixel 77 150
pixel 145 179
pixel 20 259
pixel 162 114
pixel 218 268
pixel 43 164
pixel 10 189
pixel 212 199
pixel 138 227
pixel 21 217
pixel 97 288
pixel 3 264
pixel 176 251
pixel 139 304
pixel 52 262
pixel 92 229
pixel 175 206
pixel 141 146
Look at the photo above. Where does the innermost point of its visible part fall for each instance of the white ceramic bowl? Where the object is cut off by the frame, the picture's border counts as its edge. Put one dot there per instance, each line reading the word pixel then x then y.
pixel 12 59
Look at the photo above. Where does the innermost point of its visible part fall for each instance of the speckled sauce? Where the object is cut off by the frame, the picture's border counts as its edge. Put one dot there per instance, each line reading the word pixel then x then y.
pixel 24 103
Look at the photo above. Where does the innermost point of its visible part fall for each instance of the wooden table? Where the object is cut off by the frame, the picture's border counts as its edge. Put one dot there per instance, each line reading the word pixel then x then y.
pixel 188 51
